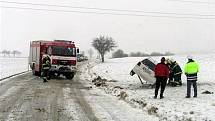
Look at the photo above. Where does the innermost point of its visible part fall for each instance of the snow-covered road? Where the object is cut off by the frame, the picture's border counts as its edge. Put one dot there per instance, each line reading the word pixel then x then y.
pixel 26 97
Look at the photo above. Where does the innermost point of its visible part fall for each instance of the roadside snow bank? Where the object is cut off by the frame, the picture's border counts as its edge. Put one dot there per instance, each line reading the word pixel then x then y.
pixel 174 106
pixel 10 66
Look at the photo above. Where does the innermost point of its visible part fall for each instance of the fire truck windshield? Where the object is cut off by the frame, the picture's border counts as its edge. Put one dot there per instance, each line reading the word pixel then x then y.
pixel 63 51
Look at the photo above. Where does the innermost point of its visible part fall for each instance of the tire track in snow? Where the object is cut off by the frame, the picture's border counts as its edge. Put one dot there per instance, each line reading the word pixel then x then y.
pixel 81 101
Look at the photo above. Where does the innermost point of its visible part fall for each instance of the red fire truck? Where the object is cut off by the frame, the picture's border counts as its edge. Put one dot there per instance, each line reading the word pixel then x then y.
pixel 62 54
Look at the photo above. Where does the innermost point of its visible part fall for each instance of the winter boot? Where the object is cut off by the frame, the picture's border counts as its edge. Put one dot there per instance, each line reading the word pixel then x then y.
pixel 170 82
pixel 187 96
pixel 173 84
pixel 44 80
pixel 48 77
pixel 161 96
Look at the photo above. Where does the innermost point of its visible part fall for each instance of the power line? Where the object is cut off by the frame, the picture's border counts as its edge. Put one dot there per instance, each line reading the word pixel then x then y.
pixel 108 9
pixel 188 1
pixel 106 13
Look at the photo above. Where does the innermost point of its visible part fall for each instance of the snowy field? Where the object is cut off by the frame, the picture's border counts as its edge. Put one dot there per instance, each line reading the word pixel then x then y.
pixel 10 66
pixel 174 107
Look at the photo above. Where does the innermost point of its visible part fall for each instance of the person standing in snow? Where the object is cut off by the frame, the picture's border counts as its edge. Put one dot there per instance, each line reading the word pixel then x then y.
pixel 191 69
pixel 161 75
pixel 45 68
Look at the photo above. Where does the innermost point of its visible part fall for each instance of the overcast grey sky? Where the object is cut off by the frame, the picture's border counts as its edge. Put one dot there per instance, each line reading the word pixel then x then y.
pixel 132 33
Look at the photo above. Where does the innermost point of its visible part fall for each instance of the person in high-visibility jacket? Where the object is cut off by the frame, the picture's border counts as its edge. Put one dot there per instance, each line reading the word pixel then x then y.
pixel 45 68
pixel 191 69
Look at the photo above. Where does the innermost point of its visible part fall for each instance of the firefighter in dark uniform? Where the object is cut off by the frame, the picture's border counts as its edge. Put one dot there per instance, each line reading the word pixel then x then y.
pixel 175 73
pixel 176 69
pixel 45 68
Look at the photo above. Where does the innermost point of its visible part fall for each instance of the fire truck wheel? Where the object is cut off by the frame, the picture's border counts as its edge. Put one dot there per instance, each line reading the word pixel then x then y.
pixel 69 76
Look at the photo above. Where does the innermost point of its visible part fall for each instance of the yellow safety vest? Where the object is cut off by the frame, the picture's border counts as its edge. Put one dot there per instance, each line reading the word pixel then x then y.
pixel 191 68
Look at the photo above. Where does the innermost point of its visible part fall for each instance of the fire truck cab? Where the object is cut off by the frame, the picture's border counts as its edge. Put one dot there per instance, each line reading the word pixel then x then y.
pixel 62 54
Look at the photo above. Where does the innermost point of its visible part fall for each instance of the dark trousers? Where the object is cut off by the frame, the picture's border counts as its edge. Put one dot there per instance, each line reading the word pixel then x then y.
pixel 171 77
pixel 160 82
pixel 45 74
pixel 177 78
pixel 189 83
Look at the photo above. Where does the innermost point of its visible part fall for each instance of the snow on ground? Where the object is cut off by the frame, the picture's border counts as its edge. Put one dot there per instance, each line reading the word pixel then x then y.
pixel 108 108
pixel 174 106
pixel 10 66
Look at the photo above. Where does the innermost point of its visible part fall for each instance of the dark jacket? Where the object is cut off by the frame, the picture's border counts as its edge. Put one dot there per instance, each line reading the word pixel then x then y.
pixel 176 69
pixel 46 66
pixel 46 63
pixel 161 70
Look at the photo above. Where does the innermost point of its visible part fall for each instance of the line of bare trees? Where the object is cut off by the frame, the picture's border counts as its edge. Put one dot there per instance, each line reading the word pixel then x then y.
pixel 120 53
pixel 105 44
pixel 8 53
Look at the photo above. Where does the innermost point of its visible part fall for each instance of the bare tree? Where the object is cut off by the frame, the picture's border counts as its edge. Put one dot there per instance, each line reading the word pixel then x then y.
pixel 90 52
pixel 103 45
